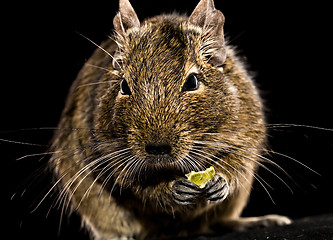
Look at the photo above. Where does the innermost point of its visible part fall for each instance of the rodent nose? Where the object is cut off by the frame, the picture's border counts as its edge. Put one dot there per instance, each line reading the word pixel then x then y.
pixel 158 148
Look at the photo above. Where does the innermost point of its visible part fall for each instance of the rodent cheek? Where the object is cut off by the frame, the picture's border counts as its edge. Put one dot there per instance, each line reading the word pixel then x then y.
pixel 207 109
pixel 119 115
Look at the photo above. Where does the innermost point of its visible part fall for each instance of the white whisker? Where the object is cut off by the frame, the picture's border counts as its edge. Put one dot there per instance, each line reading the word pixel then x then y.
pixel 288 125
pixel 98 83
pixel 124 168
pixel 218 164
pixel 66 186
pixel 257 162
pixel 103 171
pixel 110 175
pixel 114 72
pixel 34 155
pixel 109 54
pixel 98 162
pixel 295 160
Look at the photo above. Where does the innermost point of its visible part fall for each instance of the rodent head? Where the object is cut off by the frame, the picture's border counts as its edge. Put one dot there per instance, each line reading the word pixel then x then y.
pixel 169 88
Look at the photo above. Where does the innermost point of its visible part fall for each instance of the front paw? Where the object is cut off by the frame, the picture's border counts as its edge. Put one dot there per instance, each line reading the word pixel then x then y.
pixel 185 192
pixel 217 189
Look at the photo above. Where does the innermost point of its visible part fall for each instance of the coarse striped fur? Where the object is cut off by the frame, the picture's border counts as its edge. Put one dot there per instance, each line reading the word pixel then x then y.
pixel 105 172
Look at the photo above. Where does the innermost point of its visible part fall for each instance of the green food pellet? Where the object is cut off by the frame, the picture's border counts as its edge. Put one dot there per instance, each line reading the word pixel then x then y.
pixel 201 178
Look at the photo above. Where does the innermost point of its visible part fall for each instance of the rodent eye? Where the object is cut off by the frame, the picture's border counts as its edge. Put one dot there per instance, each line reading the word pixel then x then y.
pixel 191 83
pixel 124 88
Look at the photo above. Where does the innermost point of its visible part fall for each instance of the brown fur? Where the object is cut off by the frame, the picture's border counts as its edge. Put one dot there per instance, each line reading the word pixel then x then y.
pixel 99 157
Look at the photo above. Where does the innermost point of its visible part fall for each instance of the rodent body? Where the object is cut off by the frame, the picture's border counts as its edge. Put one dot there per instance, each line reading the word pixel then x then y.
pixel 163 98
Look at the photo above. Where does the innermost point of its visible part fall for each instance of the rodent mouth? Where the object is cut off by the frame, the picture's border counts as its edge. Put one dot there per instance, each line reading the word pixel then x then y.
pixel 157 172
pixel 160 160
pixel 162 164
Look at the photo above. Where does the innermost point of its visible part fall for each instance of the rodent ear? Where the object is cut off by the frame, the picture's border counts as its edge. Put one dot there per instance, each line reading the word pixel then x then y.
pixel 211 20
pixel 126 17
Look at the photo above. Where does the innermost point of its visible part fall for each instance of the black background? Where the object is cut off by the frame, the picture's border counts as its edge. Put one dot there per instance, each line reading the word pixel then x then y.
pixel 288 46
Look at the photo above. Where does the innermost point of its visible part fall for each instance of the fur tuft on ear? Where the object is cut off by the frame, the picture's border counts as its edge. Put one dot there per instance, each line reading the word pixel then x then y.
pixel 211 20
pixel 126 18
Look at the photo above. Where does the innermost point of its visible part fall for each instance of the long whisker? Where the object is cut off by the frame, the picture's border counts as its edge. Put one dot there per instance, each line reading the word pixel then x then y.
pixel 200 167
pixel 22 143
pixel 110 175
pixel 228 164
pixel 97 162
pixel 100 174
pixel 114 72
pixel 124 168
pixel 256 176
pixel 53 187
pixel 288 125
pixel 266 190
pixel 60 178
pixel 47 128
pixel 210 160
pixel 97 83
pixel 192 165
pixel 131 166
pixel 98 148
pixel 36 155
pixel 219 159
pixel 225 144
pixel 139 169
pixel 295 160
pixel 113 58
pixel 251 159
pixel 281 154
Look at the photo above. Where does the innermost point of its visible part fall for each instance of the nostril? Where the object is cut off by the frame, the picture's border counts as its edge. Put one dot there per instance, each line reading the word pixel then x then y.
pixel 158 148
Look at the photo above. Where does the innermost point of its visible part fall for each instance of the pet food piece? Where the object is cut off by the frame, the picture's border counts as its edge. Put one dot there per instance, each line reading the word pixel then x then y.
pixel 201 178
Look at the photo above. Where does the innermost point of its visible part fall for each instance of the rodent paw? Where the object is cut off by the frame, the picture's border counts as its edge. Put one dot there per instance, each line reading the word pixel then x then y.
pixel 217 189
pixel 185 192
pixel 244 223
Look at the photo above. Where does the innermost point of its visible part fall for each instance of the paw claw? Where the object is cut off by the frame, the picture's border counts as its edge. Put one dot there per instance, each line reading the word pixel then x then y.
pixel 217 189
pixel 185 192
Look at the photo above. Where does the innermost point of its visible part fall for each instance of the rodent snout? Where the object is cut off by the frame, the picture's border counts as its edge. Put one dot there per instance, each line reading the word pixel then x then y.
pixel 158 148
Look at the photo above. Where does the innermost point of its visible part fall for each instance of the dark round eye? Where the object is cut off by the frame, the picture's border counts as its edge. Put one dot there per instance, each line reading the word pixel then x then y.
pixel 191 83
pixel 124 88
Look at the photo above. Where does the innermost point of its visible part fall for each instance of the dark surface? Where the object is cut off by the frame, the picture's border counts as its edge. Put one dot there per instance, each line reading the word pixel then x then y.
pixel 310 228
pixel 288 47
